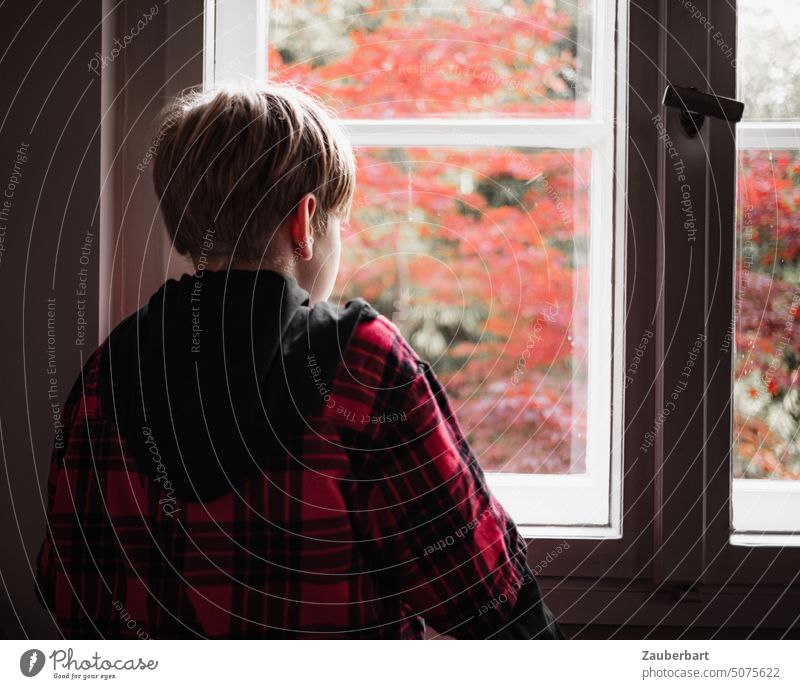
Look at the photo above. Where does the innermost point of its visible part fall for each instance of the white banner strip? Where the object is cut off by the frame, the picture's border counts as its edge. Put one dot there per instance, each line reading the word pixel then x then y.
pixel 400 664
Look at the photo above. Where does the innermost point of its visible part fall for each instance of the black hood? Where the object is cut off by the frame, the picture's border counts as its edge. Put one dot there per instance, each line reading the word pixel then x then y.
pixel 218 371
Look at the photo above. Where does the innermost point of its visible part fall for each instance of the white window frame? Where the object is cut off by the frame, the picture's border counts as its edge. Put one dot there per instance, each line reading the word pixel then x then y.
pixel 766 511
pixel 543 505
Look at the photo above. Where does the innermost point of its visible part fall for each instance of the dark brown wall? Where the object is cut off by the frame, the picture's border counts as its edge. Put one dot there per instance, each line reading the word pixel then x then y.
pixel 53 102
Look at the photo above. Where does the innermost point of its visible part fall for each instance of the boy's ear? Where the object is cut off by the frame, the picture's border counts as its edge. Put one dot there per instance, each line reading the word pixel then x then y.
pixel 302 227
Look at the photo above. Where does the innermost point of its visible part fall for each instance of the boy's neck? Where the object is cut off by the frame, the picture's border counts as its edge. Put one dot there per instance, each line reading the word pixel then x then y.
pixel 222 262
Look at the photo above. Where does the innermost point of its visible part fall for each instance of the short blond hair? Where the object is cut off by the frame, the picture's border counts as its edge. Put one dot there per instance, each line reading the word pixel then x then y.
pixel 238 160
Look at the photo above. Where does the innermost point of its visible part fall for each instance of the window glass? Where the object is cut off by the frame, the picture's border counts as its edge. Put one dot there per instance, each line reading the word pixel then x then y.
pixel 767 310
pixel 768 58
pixel 480 256
pixel 416 58
pixel 766 394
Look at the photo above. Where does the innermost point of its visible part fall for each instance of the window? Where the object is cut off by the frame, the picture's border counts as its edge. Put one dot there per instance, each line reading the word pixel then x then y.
pixel 766 441
pixel 441 183
pixel 483 223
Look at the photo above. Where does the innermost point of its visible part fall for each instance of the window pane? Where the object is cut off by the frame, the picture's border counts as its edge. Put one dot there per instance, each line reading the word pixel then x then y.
pixel 768 59
pixel 416 58
pixel 767 386
pixel 480 256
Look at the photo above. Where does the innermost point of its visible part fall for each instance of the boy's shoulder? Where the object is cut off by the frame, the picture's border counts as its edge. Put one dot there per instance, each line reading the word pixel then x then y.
pixel 379 332
pixel 376 373
pixel 377 344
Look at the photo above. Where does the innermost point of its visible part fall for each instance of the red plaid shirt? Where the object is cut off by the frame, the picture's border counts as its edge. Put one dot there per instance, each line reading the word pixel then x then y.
pixel 378 518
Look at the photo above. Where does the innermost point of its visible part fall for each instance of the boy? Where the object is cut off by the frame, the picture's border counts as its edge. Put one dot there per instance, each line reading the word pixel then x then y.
pixel 242 459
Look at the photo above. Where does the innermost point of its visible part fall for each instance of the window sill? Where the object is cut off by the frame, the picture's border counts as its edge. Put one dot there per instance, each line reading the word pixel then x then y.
pixel 570 532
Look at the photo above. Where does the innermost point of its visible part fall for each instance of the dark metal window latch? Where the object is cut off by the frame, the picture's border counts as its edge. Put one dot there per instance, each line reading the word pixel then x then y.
pixel 695 106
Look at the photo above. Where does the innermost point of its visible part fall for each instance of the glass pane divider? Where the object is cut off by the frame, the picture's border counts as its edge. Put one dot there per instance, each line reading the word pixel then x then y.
pixel 768 135
pixel 572 134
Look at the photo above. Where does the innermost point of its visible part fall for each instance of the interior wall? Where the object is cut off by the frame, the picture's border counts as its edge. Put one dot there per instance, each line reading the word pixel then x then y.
pixel 51 110
pixel 64 73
